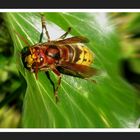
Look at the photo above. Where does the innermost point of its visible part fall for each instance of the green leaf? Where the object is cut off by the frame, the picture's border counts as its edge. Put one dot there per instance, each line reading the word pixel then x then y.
pixel 111 102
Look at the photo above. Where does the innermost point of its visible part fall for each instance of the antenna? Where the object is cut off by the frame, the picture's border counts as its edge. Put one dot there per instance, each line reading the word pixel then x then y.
pixel 22 38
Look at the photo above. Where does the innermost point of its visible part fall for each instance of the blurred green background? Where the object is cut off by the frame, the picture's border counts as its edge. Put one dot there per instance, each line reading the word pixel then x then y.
pixel 13 86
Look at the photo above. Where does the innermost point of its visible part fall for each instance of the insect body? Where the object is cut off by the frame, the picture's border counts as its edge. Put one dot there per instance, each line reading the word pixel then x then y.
pixel 67 56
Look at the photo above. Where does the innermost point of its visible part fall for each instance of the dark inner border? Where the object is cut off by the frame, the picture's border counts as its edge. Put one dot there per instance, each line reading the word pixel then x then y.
pixel 52 4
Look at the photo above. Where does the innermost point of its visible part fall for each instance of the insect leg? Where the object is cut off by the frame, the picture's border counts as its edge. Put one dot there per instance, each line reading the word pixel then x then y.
pixel 58 83
pixel 65 34
pixel 56 89
pixel 51 81
pixel 43 21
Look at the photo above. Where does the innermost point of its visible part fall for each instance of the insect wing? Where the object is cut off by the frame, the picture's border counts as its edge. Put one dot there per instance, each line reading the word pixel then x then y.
pixel 77 70
pixel 72 40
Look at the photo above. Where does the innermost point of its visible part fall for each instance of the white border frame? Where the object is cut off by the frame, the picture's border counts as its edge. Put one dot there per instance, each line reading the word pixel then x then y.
pixel 71 129
pixel 69 10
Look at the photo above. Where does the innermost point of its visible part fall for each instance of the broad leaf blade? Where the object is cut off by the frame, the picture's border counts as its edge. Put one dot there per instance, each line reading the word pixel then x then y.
pixel 109 103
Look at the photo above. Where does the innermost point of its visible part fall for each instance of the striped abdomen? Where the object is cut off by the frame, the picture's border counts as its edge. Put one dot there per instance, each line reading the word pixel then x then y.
pixel 76 53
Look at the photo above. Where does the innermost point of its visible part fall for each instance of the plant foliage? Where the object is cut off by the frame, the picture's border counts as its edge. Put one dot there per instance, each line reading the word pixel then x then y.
pixel 109 103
